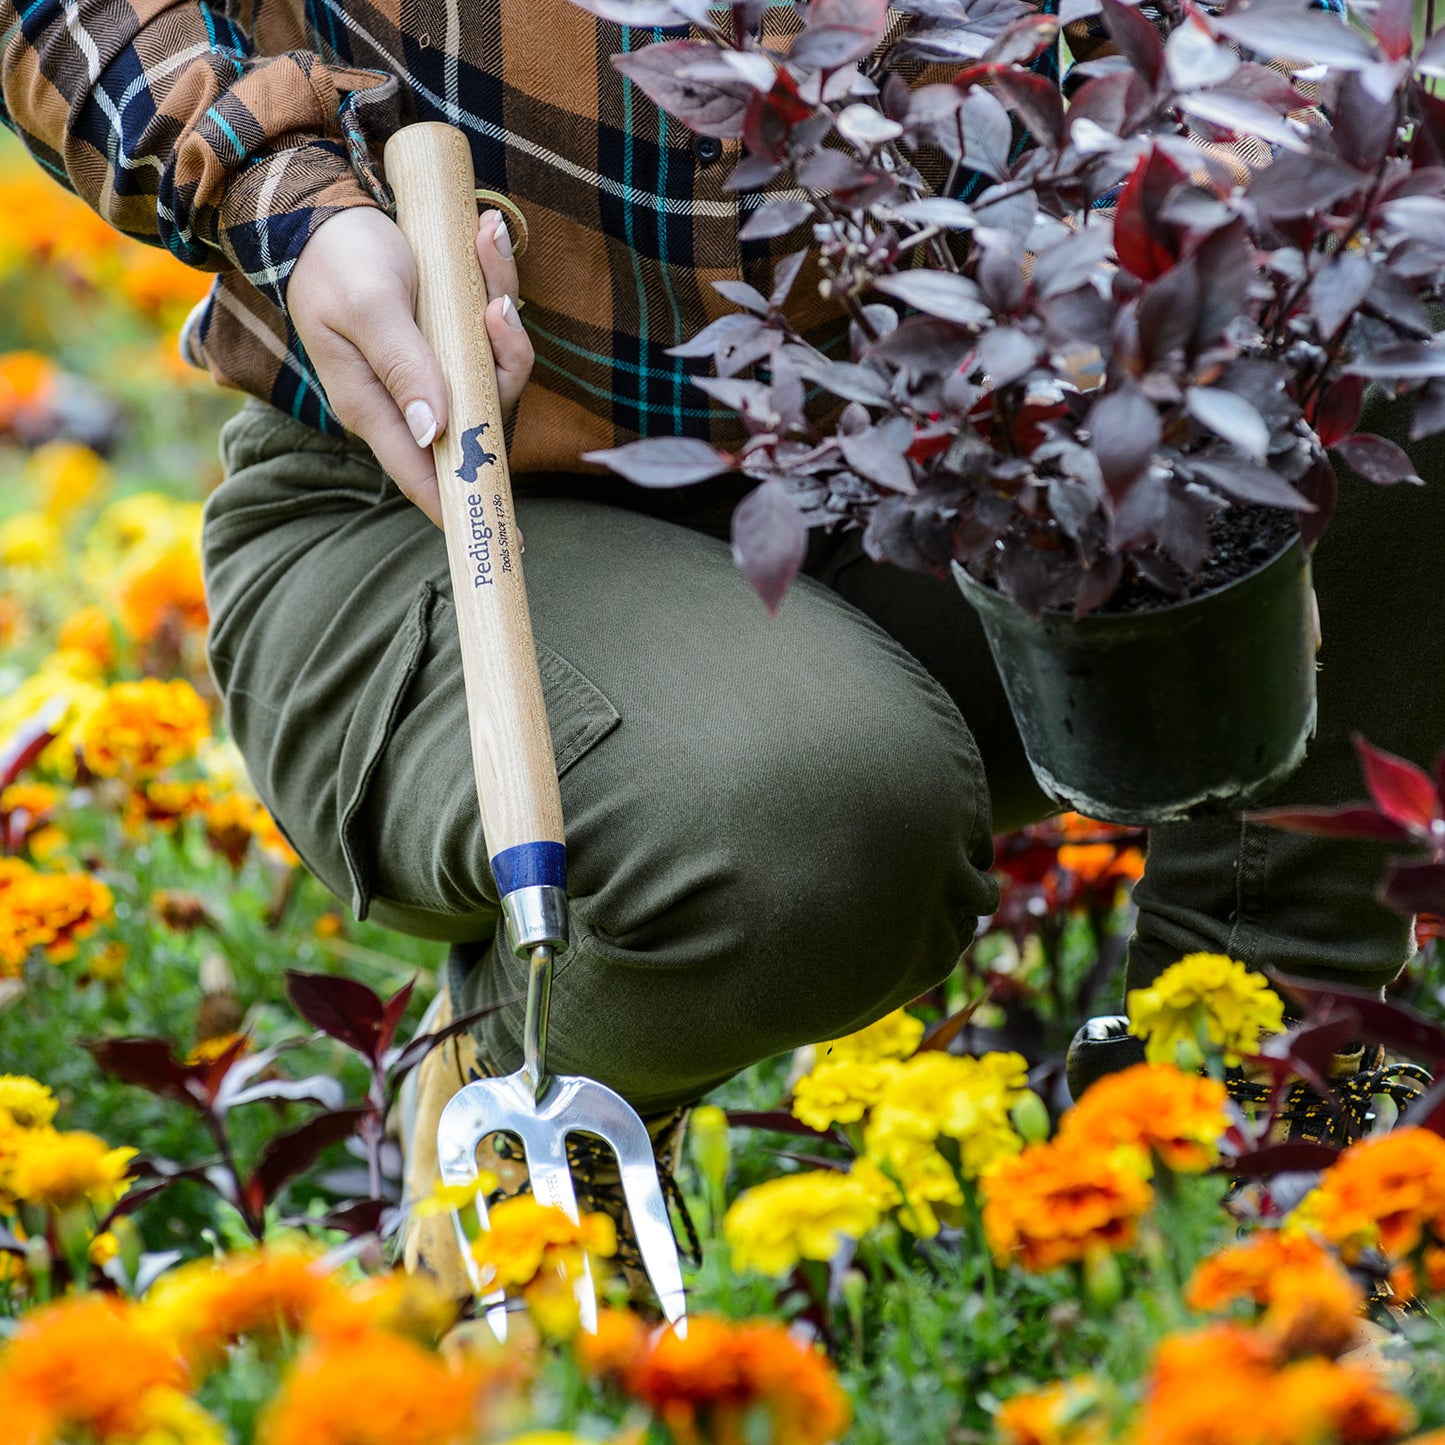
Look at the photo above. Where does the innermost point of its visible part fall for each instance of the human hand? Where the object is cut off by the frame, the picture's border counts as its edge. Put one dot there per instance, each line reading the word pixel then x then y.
pixel 352 300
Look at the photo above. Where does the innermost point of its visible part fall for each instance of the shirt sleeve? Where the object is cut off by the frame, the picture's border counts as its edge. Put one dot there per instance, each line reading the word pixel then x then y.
pixel 160 116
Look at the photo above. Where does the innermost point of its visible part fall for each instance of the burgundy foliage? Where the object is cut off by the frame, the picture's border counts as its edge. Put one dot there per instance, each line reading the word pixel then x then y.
pixel 1059 381
pixel 340 1008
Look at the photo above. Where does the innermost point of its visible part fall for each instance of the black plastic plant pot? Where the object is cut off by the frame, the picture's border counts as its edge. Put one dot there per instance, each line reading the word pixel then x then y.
pixel 1155 716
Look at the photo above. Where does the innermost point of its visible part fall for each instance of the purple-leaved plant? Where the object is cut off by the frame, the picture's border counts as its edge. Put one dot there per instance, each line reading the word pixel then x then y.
pixel 1059 381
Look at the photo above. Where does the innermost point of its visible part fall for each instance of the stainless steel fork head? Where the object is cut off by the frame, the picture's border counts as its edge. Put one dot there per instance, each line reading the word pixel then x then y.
pixel 569 1105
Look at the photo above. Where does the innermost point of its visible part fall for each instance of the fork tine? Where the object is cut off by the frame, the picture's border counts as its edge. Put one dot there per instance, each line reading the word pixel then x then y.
pixel 464 1123
pixel 618 1125
pixel 654 1236
pixel 546 1153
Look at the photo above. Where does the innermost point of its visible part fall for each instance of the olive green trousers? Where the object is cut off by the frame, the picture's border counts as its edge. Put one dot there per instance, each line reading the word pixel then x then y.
pixel 778 828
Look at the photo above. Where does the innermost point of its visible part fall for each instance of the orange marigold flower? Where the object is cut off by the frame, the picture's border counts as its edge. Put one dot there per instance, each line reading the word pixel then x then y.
pixel 14 623
pixel 156 284
pixel 48 911
pixel 703 1385
pixel 138 729
pixel 84 1368
pixel 164 592
pixel 1057 1203
pixel 1225 1386
pixel 618 1345
pixel 374 1390
pixel 410 1305
pixel 27 382
pixel 90 631
pixel 1180 1117
pixel 210 1303
pixel 1100 863
pixel 1385 1193
pixel 1068 1412
pixel 1351 1403
pixel 1310 1304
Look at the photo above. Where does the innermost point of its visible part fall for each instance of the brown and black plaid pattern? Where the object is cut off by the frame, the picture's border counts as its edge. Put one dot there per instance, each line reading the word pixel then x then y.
pixel 227 133
pixel 228 130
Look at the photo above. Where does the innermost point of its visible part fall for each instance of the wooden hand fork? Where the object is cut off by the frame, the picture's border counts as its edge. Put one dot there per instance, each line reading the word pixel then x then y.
pixel 429 167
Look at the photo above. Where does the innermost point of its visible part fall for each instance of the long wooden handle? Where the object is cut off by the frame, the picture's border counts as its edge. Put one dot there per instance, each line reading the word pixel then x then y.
pixel 429 167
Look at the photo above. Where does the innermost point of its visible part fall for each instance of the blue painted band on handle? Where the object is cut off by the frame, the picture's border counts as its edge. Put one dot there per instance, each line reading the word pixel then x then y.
pixel 530 864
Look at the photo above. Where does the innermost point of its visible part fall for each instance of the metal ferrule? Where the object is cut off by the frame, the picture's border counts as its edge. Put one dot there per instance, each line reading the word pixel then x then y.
pixel 536 914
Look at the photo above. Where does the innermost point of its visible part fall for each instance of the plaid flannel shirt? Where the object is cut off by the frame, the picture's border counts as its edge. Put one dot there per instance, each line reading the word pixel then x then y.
pixel 228 130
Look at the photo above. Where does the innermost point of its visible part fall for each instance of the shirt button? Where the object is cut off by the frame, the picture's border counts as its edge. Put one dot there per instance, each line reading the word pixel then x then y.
pixel 707 148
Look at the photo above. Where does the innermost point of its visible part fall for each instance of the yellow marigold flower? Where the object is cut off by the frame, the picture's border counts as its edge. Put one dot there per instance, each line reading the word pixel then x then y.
pixel 30 539
pixel 55 1170
pixel 165 804
pixel 1385 1193
pixel 103 1248
pixel 1309 1303
pixel 373 1390
pixel 149 519
pixel 1180 1117
pixel 49 911
pixel 443 1198
pixel 163 592
pixel 211 1303
pixel 84 1367
pixel 800 1216
pixel 894 1036
pixel 410 1305
pixel 66 475
pixel 1056 1203
pixel 140 728
pixel 839 1091
pixel 706 1384
pixel 1068 1412
pixel 33 799
pixel 169 1417
pixel 1204 996
pixel 229 821
pixel 106 963
pixel 913 1178
pixel 89 633
pixel 525 1238
pixel 26 1102
pixel 967 1100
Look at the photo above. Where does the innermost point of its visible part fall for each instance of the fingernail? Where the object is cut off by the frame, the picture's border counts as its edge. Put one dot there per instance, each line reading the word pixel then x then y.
pixel 510 314
pixel 423 423
pixel 502 240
